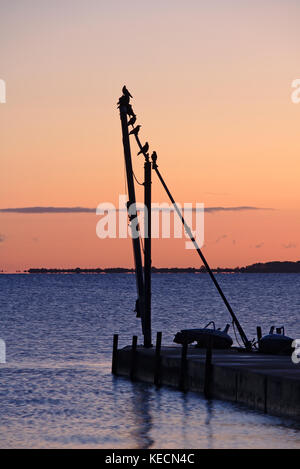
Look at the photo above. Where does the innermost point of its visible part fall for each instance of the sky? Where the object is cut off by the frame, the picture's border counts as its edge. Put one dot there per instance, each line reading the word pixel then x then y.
pixel 211 83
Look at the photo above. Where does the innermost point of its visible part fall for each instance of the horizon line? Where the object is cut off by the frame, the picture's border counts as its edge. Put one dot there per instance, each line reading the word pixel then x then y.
pixel 77 209
pixel 132 269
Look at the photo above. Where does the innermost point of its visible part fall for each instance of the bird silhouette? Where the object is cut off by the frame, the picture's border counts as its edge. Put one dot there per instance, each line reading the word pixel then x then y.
pixel 130 110
pixel 123 101
pixel 135 131
pixel 154 156
pixel 126 92
pixel 144 149
pixel 132 120
pixel 154 160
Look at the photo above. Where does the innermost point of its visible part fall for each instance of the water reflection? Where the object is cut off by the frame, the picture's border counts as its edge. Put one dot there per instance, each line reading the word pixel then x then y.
pixel 185 417
pixel 141 403
pixel 149 417
pixel 208 423
pixel 203 414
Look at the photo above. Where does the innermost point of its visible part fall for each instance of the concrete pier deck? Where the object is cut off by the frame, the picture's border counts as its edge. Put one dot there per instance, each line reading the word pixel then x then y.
pixel 269 383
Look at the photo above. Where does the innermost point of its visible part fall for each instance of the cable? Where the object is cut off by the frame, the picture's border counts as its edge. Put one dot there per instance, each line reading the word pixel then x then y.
pixel 140 183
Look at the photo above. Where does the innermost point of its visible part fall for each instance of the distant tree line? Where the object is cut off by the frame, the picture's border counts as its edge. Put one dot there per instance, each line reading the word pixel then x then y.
pixel 264 268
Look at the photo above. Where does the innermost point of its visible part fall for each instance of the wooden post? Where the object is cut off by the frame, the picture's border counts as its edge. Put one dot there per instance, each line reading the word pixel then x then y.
pixel 183 367
pixel 133 357
pixel 114 365
pixel 147 265
pixel 157 370
pixel 259 333
pixel 208 371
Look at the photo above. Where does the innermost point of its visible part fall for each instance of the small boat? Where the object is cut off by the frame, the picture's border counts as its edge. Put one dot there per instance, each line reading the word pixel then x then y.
pixel 205 337
pixel 276 343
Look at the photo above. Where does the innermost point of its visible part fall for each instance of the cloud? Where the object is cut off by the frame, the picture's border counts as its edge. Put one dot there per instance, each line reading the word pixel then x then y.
pixel 220 238
pixel 216 193
pixel 41 210
pixel 34 210
pixel 234 209
pixel 289 246
pixel 257 246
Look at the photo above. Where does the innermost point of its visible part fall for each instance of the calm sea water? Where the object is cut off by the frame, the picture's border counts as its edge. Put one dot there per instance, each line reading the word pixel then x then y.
pixel 56 389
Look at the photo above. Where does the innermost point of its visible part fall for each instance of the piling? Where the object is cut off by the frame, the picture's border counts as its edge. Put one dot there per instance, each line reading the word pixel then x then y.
pixel 258 333
pixel 114 365
pixel 133 358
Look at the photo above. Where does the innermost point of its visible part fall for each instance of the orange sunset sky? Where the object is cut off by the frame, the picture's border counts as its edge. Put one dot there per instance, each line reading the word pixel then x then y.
pixel 211 82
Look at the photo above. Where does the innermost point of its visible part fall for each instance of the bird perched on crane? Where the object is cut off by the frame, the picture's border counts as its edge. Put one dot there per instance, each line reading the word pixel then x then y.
pixel 135 131
pixel 126 92
pixel 154 160
pixel 123 101
pixel 144 149
pixel 129 109
pixel 132 120
pixel 154 157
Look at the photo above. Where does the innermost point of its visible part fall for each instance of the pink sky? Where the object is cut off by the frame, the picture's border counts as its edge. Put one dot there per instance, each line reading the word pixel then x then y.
pixel 212 89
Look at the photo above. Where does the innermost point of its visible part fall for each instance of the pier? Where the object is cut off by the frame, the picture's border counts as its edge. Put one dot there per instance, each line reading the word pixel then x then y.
pixel 267 383
pixel 259 373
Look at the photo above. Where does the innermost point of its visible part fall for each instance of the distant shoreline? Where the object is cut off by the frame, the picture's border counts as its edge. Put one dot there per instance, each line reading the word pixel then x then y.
pixel 267 267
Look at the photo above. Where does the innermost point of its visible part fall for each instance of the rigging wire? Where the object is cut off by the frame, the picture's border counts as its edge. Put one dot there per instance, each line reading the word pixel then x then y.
pixel 143 249
pixel 140 183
